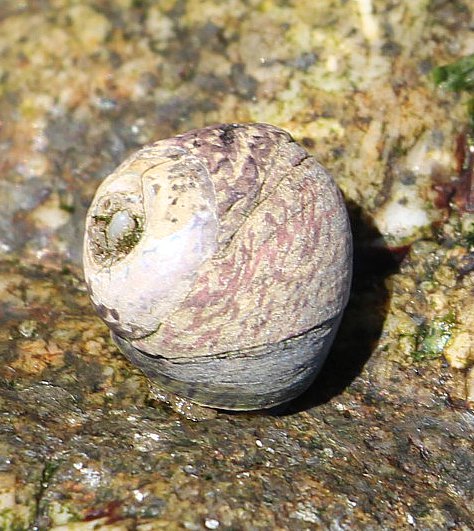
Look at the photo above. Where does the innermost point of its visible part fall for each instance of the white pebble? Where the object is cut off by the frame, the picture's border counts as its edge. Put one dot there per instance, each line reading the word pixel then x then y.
pixel 211 523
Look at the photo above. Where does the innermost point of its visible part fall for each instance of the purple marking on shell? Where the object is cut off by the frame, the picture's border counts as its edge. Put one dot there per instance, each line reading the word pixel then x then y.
pixel 235 245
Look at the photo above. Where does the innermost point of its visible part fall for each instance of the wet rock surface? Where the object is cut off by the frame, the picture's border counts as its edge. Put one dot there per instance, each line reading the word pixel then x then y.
pixel 384 437
pixel 83 440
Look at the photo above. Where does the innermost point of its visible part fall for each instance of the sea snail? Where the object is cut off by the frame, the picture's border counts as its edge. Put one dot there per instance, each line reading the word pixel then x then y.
pixel 221 261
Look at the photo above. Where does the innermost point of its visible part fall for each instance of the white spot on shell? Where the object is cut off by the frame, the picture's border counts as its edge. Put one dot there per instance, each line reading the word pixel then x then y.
pixel 121 224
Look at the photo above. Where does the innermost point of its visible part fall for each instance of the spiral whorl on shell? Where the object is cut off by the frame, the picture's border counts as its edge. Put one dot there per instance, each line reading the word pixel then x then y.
pixel 221 261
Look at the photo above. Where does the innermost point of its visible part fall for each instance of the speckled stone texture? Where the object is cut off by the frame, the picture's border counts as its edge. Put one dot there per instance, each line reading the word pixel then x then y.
pixel 383 439
pixel 81 441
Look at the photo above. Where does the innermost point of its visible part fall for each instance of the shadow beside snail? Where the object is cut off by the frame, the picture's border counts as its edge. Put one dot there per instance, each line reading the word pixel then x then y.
pixel 221 261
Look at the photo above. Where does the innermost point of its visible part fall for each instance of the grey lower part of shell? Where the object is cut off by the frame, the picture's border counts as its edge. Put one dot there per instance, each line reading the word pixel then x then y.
pixel 257 378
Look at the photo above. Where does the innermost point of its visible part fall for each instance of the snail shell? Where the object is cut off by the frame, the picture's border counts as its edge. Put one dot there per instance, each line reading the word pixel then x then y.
pixel 221 261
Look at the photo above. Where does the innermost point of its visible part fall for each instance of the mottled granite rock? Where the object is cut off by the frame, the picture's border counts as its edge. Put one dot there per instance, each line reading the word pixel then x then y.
pixel 384 437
